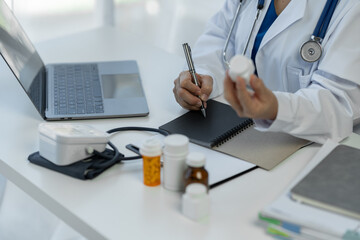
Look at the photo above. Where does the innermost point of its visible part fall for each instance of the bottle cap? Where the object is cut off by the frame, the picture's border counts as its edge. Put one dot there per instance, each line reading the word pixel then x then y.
pixel 241 66
pixel 176 144
pixel 195 189
pixel 195 159
pixel 151 148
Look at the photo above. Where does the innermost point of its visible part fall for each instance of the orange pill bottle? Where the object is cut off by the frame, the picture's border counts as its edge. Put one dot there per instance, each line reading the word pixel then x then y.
pixel 151 154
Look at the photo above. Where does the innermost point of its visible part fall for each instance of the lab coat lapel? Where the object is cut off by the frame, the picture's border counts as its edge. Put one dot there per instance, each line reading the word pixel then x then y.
pixel 292 13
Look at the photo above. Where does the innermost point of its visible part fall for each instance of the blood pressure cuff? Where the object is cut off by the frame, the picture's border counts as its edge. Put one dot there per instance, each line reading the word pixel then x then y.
pixel 88 168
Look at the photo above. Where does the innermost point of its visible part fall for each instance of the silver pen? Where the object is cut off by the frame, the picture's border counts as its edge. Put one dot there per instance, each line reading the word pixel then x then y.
pixel 190 63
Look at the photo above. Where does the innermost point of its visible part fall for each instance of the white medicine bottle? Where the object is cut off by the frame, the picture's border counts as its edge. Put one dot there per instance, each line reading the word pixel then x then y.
pixel 196 202
pixel 241 66
pixel 176 148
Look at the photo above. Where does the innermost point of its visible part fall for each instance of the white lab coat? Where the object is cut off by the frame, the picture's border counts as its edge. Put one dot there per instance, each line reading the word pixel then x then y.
pixel 318 100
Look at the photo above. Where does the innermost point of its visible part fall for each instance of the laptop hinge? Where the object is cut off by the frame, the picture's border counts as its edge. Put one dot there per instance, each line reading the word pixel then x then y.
pixel 44 91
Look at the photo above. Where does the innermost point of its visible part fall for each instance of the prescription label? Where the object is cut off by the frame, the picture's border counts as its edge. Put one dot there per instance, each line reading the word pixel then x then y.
pixel 152 171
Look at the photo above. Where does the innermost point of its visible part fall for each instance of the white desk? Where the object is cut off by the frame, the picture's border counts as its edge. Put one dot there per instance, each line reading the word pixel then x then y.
pixel 117 205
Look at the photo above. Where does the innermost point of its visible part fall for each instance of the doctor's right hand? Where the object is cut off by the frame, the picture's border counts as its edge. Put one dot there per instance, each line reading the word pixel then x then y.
pixel 187 93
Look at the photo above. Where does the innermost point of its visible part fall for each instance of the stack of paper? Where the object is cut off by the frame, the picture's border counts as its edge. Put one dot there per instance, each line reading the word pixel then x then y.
pixel 286 218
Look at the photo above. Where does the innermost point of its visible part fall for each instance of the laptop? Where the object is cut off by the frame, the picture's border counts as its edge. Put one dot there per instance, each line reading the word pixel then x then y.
pixel 70 90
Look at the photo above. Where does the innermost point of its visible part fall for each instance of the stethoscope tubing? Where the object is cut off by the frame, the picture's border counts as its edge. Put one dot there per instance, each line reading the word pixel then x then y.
pixel 318 34
pixel 237 13
pixel 260 6
pixel 324 20
pixel 252 30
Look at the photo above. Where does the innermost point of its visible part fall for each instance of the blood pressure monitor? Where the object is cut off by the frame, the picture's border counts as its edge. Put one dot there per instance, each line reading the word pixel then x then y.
pixel 64 144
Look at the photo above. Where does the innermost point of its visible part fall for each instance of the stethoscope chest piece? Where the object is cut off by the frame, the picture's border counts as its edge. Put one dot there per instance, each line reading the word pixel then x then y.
pixel 311 51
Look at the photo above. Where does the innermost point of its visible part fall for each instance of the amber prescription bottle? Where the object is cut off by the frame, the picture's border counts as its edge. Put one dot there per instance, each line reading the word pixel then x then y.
pixel 151 154
pixel 196 172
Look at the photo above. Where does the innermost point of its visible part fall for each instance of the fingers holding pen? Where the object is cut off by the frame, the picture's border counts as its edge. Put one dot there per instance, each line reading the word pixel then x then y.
pixel 206 87
pixel 186 92
pixel 187 83
pixel 190 96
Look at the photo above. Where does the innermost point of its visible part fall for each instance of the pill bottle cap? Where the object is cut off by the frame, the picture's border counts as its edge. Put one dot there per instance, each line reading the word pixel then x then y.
pixel 151 148
pixel 176 144
pixel 195 190
pixel 241 66
pixel 195 159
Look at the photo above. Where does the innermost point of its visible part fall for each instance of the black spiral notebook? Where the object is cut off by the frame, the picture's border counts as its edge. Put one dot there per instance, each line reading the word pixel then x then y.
pixel 222 130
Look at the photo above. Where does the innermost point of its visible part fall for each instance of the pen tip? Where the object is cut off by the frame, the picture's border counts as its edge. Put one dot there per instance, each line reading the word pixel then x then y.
pixel 203 112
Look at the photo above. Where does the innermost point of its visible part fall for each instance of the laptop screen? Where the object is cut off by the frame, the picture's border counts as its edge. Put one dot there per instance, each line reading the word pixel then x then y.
pixel 22 57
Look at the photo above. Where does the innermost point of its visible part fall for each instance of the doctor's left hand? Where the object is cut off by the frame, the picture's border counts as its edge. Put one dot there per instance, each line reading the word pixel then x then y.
pixel 261 104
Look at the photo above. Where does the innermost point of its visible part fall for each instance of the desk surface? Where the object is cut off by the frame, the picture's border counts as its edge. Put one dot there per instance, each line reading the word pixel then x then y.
pixel 117 204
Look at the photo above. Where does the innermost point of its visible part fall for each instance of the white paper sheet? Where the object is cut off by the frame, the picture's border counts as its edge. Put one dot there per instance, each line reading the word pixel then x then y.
pixel 219 166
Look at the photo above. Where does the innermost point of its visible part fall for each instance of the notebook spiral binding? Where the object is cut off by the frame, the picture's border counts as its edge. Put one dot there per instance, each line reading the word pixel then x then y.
pixel 231 133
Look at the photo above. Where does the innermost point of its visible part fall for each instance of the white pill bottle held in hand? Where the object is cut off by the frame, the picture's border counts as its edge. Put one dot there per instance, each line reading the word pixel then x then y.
pixel 176 149
pixel 241 66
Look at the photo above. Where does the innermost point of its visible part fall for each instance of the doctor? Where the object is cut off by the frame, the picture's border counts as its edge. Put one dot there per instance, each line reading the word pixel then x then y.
pixel 312 100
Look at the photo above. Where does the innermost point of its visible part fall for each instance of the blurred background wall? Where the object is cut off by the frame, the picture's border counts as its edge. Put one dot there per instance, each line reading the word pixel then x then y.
pixel 164 23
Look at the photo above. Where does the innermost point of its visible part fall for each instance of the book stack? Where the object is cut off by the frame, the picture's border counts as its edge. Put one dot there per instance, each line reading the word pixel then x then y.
pixel 323 202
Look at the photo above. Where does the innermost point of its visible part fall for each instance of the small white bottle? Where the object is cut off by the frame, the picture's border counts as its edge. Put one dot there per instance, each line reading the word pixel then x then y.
pixel 196 202
pixel 241 66
pixel 176 148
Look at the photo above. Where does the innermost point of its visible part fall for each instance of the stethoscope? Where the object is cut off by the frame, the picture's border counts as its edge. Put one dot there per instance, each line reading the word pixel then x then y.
pixel 310 51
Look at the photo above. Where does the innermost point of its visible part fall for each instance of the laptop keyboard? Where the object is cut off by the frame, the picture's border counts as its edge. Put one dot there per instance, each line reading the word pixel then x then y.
pixel 77 89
